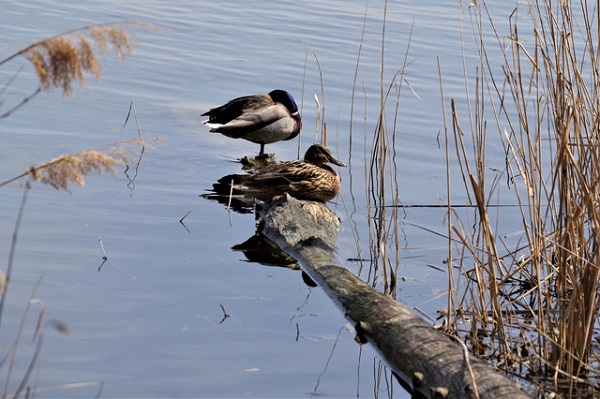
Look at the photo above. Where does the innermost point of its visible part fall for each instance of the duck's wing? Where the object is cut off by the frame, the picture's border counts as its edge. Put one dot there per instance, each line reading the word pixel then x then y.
pixel 297 175
pixel 252 119
pixel 235 108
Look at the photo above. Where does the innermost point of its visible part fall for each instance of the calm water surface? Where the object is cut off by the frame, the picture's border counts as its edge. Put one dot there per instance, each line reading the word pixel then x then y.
pixel 149 323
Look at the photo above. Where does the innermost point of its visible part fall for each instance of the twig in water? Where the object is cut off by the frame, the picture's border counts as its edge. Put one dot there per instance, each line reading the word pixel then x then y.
pixel 98 395
pixel 358 363
pixel 104 256
pixel 337 338
pixel 11 80
pixel 131 184
pixel 127 117
pixel 184 216
pixel 225 314
pixel 183 224
pixel 302 102
pixel 30 368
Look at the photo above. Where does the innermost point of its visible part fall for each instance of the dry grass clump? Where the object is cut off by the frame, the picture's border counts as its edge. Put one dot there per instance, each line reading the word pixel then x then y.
pixel 72 168
pixel 530 305
pixel 58 62
pixel 66 169
pixel 63 59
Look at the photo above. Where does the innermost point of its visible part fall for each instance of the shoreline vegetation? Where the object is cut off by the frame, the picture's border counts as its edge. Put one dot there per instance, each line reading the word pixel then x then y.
pixel 529 306
pixel 522 290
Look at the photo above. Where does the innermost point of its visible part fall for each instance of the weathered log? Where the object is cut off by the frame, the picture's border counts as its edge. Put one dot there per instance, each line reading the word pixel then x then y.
pixel 434 363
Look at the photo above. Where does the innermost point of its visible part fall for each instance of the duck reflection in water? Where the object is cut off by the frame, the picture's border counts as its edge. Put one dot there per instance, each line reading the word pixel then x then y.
pixel 260 249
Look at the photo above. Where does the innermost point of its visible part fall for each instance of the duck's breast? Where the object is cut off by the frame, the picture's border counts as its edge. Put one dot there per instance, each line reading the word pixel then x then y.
pixel 280 129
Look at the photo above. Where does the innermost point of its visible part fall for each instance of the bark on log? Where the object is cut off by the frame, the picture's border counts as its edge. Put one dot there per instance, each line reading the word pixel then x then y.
pixel 436 364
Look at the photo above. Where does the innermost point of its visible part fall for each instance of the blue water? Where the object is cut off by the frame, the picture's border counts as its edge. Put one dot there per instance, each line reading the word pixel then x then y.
pixel 148 324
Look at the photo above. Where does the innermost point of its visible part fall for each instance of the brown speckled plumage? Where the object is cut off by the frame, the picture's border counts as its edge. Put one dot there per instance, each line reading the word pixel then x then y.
pixel 311 179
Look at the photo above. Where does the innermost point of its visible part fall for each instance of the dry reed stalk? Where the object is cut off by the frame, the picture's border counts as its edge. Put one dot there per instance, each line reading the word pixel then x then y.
pixel 383 192
pixel 381 172
pixel 534 310
pixel 350 180
pixel 10 355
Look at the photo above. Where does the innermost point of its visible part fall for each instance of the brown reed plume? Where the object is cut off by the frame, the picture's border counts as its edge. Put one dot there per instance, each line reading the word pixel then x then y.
pixel 65 169
pixel 63 59
pixel 73 168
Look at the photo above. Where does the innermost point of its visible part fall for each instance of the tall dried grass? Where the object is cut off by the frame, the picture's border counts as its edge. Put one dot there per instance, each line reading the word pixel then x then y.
pixel 531 304
pixel 381 174
pixel 60 61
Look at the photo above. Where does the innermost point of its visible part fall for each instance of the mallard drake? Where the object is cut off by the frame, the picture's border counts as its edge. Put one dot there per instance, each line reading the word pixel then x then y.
pixel 261 119
pixel 312 178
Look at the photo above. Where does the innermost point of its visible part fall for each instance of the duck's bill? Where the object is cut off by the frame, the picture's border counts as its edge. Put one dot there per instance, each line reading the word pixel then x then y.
pixel 337 162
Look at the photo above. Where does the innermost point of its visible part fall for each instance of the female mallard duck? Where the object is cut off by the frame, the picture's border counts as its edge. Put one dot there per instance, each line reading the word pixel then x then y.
pixel 311 178
pixel 262 119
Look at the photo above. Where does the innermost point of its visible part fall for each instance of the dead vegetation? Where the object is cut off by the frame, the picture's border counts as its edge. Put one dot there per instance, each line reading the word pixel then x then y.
pixel 382 190
pixel 526 295
pixel 59 62
pixel 73 168
pixel 59 172
pixel 524 248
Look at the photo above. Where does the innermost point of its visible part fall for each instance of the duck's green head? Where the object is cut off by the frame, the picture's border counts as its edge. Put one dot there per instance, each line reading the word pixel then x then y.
pixel 285 98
